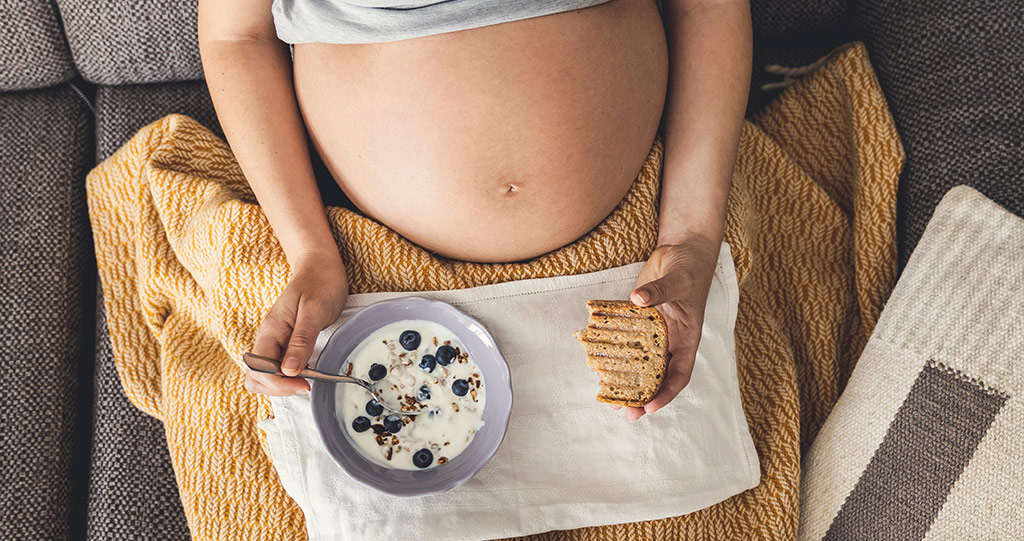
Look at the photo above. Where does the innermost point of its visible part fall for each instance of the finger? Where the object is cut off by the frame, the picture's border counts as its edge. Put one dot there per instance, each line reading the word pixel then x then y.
pixel 632 413
pixel 271 385
pixel 270 336
pixel 676 379
pixel 308 323
pixel 671 287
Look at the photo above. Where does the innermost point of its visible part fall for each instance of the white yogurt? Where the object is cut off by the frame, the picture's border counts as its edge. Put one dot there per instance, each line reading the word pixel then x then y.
pixel 446 423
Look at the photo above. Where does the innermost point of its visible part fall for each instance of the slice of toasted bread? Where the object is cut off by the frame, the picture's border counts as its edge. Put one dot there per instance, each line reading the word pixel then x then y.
pixel 626 346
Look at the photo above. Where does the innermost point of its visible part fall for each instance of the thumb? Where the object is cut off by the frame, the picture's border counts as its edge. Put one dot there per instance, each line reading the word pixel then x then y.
pixel 652 293
pixel 308 325
pixel 675 284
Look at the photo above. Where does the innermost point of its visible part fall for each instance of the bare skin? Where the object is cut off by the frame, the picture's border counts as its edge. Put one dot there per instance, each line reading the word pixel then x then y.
pixel 497 143
pixel 710 45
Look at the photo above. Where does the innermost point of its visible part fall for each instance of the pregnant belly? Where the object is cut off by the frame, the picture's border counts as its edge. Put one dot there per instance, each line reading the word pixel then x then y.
pixel 498 143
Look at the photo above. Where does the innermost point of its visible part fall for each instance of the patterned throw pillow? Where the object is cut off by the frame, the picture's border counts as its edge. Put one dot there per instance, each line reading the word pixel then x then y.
pixel 927 440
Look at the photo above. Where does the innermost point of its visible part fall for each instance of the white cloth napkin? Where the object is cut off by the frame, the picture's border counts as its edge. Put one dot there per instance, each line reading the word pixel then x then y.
pixel 567 461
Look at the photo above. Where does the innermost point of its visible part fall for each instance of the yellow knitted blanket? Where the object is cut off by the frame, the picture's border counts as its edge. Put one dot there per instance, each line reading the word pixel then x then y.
pixel 189 266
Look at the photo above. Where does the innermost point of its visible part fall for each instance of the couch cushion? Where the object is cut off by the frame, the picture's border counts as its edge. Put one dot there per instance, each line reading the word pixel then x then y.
pixel 45 294
pixel 132 492
pixel 798 19
pixel 926 442
pixel 33 53
pixel 953 75
pixel 132 489
pixel 144 41
pixel 123 110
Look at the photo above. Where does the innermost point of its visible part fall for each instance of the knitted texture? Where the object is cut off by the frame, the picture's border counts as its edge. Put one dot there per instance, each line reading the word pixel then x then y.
pixel 189 266
pixel 954 74
pixel 132 490
pixel 790 55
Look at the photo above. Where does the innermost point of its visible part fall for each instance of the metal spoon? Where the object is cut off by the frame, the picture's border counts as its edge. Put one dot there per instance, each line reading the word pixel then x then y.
pixel 267 365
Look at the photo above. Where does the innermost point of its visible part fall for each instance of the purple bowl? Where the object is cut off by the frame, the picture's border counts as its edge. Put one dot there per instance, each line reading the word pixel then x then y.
pixel 484 351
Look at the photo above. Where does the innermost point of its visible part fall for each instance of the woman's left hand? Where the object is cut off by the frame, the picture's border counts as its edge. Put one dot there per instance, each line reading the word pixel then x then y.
pixel 676 279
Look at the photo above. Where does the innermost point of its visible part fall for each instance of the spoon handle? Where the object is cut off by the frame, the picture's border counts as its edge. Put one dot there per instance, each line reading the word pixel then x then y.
pixel 260 363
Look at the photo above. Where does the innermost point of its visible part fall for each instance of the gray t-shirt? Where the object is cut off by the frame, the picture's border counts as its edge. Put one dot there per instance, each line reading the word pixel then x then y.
pixel 373 21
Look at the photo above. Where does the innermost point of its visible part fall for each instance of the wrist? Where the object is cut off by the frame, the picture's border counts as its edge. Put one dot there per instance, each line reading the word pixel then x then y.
pixel 688 215
pixel 706 232
pixel 317 260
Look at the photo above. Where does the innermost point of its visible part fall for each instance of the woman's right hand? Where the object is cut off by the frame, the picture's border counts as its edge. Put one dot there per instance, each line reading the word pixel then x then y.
pixel 313 299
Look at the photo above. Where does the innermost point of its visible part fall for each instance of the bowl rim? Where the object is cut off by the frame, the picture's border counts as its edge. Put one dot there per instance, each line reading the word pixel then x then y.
pixel 327 421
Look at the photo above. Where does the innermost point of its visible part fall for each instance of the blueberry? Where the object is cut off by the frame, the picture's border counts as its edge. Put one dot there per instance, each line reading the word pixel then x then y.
pixel 460 387
pixel 378 371
pixel 445 355
pixel 423 394
pixel 422 458
pixel 393 423
pixel 410 340
pixel 374 409
pixel 427 363
pixel 360 424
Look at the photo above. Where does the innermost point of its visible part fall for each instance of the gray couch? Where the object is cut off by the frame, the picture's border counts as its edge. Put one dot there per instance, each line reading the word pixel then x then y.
pixel 79 77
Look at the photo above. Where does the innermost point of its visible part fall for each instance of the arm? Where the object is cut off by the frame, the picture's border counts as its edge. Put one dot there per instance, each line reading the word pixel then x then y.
pixel 709 77
pixel 248 71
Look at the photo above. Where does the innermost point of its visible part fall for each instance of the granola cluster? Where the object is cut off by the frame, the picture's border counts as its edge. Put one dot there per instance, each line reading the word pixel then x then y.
pixel 422 373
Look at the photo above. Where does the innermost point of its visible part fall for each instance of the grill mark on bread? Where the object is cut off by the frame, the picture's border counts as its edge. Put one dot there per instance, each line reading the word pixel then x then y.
pixel 626 345
pixel 605 349
pixel 612 364
pixel 629 338
pixel 626 315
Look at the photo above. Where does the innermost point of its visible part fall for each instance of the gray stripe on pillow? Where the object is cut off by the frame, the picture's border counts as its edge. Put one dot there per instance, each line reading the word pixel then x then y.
pixel 926 447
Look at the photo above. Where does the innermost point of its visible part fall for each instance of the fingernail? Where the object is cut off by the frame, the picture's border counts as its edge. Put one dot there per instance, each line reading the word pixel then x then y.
pixel 302 391
pixel 644 296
